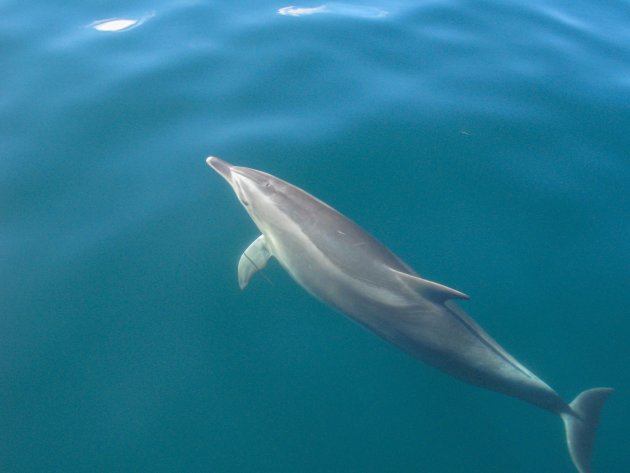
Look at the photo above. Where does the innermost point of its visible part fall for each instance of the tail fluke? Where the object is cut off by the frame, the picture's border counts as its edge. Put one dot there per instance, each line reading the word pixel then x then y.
pixel 581 424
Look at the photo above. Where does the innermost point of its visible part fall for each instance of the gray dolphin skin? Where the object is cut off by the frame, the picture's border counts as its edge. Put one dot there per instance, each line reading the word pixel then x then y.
pixel 342 265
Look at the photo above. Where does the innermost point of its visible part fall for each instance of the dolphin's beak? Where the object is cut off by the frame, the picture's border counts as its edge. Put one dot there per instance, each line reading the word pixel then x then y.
pixel 221 167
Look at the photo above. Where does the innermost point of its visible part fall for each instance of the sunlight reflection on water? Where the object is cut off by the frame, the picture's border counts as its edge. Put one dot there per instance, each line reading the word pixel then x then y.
pixel 343 9
pixel 115 25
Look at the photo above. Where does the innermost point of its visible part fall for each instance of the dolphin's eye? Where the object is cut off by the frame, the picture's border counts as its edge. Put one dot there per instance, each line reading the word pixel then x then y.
pixel 267 184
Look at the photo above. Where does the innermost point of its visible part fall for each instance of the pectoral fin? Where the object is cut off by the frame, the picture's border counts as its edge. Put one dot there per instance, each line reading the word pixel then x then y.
pixel 253 259
pixel 429 289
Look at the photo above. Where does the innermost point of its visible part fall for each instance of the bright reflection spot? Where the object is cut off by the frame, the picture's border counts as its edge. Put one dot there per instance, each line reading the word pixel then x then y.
pixel 118 24
pixel 114 25
pixel 297 11
pixel 343 9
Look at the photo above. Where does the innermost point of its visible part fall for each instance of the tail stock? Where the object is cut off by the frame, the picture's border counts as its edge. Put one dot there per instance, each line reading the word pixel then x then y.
pixel 580 424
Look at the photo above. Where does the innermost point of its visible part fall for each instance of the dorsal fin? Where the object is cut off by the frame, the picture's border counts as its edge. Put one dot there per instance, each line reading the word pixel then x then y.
pixel 253 259
pixel 429 289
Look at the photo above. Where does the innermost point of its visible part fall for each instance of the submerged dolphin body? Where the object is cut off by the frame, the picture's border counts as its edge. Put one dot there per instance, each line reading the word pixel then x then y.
pixel 342 265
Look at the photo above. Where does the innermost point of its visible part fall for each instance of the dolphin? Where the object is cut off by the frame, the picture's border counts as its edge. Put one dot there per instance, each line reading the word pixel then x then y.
pixel 342 265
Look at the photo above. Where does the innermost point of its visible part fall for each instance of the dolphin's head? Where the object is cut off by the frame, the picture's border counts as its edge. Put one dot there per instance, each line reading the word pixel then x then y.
pixel 260 193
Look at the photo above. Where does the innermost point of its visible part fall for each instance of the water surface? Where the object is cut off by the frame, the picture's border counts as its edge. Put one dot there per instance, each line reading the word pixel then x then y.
pixel 486 143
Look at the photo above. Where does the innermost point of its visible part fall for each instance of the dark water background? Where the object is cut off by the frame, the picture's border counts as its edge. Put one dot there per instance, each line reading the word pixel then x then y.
pixel 485 142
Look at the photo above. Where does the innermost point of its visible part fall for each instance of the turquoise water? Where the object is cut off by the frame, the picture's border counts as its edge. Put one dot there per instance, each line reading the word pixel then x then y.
pixel 485 142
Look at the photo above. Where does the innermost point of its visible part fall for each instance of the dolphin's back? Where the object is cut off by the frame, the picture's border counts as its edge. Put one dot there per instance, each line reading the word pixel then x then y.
pixel 336 235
